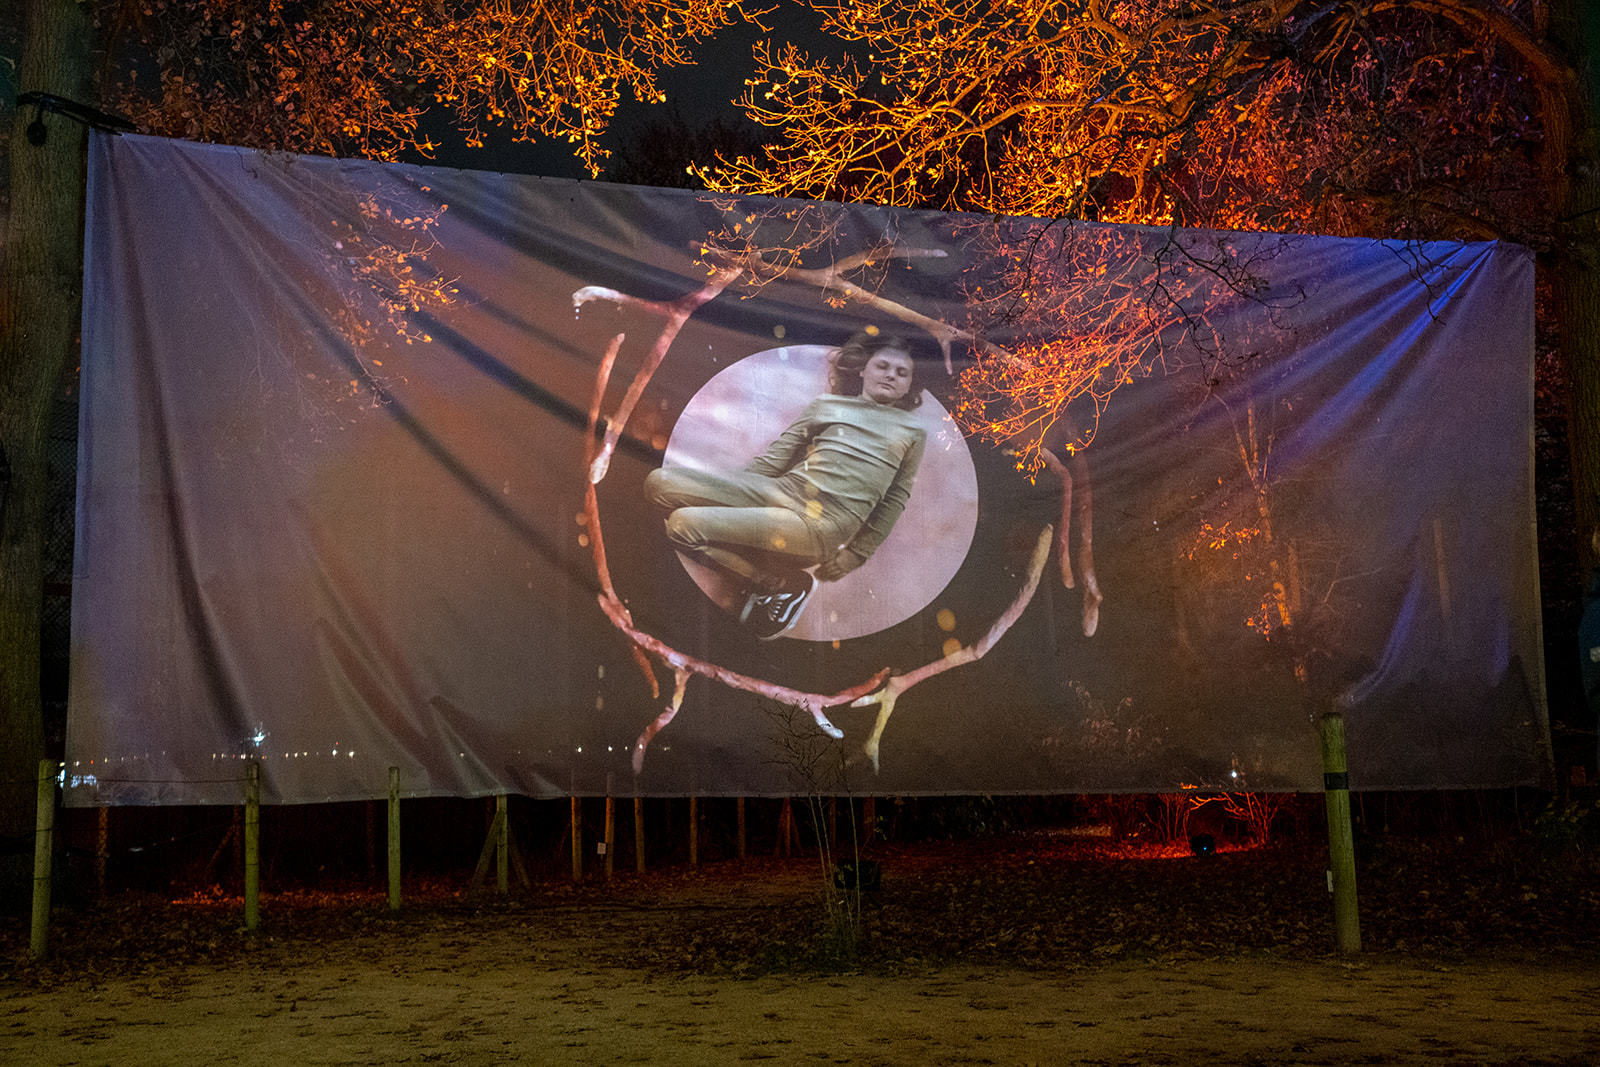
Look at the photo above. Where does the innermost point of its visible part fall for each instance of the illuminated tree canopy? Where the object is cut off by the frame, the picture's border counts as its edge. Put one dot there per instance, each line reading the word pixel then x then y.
pixel 1280 115
pixel 356 77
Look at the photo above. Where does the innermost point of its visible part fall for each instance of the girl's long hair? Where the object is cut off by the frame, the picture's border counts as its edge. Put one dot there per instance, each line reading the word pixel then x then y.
pixel 851 358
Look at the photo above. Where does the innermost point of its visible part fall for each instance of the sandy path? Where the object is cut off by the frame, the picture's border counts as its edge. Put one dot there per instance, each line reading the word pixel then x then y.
pixel 513 997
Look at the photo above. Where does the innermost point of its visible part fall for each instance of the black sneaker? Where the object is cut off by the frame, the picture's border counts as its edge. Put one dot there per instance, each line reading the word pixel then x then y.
pixel 770 615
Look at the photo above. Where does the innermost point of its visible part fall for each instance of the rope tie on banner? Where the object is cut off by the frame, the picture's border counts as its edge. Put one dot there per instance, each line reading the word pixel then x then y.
pixel 60 105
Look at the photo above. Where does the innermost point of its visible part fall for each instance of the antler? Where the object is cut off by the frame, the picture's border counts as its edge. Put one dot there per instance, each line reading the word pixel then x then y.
pixel 727 267
pixel 886 697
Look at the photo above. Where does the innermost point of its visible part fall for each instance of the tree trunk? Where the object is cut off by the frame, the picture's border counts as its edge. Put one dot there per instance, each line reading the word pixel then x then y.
pixel 1581 296
pixel 1577 279
pixel 1578 283
pixel 40 288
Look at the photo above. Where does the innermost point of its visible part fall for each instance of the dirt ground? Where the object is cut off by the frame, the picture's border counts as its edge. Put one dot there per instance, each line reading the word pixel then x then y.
pixel 680 967
pixel 517 997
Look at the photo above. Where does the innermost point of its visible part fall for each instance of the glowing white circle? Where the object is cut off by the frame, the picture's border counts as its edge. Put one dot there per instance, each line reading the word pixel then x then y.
pixel 741 410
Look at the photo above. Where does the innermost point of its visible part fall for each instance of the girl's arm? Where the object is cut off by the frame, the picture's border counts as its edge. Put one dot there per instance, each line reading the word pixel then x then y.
pixel 882 519
pixel 789 449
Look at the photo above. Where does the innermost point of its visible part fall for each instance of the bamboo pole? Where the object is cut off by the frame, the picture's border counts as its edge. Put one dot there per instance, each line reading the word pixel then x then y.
pixel 638 834
pixel 739 808
pixel 577 839
pixel 1341 839
pixel 252 846
pixel 394 838
pixel 611 831
pixel 694 830
pixel 502 843
pixel 43 846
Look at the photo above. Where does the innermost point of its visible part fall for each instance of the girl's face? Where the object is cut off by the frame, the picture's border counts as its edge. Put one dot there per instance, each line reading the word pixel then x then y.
pixel 887 376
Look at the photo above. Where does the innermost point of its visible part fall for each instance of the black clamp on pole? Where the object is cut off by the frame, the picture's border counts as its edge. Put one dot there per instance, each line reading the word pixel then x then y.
pixel 60 105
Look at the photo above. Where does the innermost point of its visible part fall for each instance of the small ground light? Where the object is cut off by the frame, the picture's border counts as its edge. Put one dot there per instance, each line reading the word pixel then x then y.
pixel 1202 845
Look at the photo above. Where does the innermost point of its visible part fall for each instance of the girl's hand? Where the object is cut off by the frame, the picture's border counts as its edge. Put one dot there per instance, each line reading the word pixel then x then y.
pixel 840 565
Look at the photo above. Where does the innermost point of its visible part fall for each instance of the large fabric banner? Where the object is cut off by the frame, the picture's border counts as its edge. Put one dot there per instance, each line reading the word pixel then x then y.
pixel 561 487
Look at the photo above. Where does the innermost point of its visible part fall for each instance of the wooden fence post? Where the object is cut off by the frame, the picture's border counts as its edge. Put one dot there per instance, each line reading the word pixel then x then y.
pixel 370 813
pixel 43 845
pixel 785 826
pixel 252 846
pixel 694 830
pixel 1341 840
pixel 611 829
pixel 102 848
pixel 502 843
pixel 740 813
pixel 638 833
pixel 577 838
pixel 394 838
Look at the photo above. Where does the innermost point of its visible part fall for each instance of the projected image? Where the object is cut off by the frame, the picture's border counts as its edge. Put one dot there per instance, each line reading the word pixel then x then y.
pixel 847 521
pixel 507 496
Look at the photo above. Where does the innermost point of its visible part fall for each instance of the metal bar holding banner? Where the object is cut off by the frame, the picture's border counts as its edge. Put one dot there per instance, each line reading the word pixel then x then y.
pixel 43 844
pixel 1341 839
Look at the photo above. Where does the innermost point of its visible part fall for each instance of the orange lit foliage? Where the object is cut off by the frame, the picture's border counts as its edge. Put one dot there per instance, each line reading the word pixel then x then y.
pixel 1156 111
pixel 1096 307
pixel 354 77
pixel 1431 119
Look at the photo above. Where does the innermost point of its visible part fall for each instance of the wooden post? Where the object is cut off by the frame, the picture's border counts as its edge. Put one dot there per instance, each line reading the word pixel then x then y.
pixel 694 830
pixel 577 839
pixel 102 848
pixel 833 824
pixel 1341 840
pixel 502 843
pixel 611 830
pixel 785 826
pixel 43 844
pixel 252 846
pixel 740 815
pixel 371 813
pixel 500 849
pixel 869 821
pixel 638 834
pixel 394 838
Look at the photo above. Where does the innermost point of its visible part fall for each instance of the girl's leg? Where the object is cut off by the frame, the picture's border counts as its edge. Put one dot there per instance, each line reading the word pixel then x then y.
pixel 769 547
pixel 739 521
pixel 681 487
